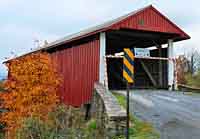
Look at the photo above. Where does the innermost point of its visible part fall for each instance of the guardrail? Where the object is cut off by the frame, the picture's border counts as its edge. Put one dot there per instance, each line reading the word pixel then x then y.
pixel 187 88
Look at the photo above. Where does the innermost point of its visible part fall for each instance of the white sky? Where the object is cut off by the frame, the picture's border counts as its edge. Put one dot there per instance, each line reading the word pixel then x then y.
pixel 24 21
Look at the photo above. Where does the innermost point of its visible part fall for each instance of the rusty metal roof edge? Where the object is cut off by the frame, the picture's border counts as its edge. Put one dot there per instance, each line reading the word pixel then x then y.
pixel 83 33
pixel 96 28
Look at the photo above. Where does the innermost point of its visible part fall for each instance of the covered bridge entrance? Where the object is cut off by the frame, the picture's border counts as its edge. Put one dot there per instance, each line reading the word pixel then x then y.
pixel 149 73
pixel 82 58
pixel 145 28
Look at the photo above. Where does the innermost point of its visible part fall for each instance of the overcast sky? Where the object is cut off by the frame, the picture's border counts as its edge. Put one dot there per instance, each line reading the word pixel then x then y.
pixel 23 21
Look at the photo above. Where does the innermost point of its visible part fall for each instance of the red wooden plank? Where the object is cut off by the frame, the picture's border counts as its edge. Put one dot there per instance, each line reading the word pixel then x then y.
pixel 79 67
pixel 153 21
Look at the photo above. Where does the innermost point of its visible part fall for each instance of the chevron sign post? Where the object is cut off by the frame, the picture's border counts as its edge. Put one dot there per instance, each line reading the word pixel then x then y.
pixel 128 68
pixel 128 74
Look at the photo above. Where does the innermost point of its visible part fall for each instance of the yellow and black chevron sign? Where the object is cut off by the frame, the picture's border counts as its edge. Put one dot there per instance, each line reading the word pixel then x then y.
pixel 128 67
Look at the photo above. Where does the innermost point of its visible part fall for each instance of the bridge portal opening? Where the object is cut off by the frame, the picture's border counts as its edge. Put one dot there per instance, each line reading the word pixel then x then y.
pixel 148 73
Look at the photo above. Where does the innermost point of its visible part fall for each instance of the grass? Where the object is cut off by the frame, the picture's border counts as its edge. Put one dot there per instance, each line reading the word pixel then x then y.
pixel 138 129
pixel 1 135
pixel 193 80
pixel 121 99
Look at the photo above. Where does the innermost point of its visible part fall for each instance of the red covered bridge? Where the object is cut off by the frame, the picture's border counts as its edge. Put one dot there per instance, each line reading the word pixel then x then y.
pixel 81 56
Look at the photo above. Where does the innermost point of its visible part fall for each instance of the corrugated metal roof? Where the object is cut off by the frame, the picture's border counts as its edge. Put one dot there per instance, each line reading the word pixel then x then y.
pixel 93 30
pixel 83 33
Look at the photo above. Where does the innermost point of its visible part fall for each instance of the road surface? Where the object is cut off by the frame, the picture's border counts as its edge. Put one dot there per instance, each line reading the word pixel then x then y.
pixel 175 114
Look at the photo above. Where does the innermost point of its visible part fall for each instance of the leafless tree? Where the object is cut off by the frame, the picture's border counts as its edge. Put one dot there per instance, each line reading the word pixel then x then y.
pixel 194 61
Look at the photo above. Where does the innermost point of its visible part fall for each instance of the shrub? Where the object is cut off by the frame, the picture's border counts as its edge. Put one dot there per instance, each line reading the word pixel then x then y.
pixel 32 128
pixel 60 124
pixel 92 125
pixel 32 89
pixel 193 80
pixel 2 135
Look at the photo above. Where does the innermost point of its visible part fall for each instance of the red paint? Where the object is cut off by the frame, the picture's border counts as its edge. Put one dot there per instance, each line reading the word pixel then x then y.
pixel 79 67
pixel 153 21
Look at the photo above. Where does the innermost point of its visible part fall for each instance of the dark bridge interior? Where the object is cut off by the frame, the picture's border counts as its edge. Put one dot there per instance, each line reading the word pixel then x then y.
pixel 148 73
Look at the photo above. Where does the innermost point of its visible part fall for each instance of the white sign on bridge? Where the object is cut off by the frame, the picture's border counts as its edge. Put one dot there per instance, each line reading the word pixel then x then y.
pixel 142 52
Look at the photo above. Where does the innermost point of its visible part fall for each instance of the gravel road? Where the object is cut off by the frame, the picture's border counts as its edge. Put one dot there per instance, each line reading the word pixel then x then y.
pixel 174 114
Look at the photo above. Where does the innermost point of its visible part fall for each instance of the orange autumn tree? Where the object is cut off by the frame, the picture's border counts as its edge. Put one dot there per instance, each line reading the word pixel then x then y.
pixel 32 89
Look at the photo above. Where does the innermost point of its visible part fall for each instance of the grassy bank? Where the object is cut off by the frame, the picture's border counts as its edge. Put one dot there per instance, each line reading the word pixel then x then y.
pixel 138 129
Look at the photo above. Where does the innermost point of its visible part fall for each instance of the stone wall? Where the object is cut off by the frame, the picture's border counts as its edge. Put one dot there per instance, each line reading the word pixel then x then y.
pixel 110 116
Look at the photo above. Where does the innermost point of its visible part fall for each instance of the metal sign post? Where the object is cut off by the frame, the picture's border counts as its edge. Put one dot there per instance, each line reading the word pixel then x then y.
pixel 127 110
pixel 128 72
